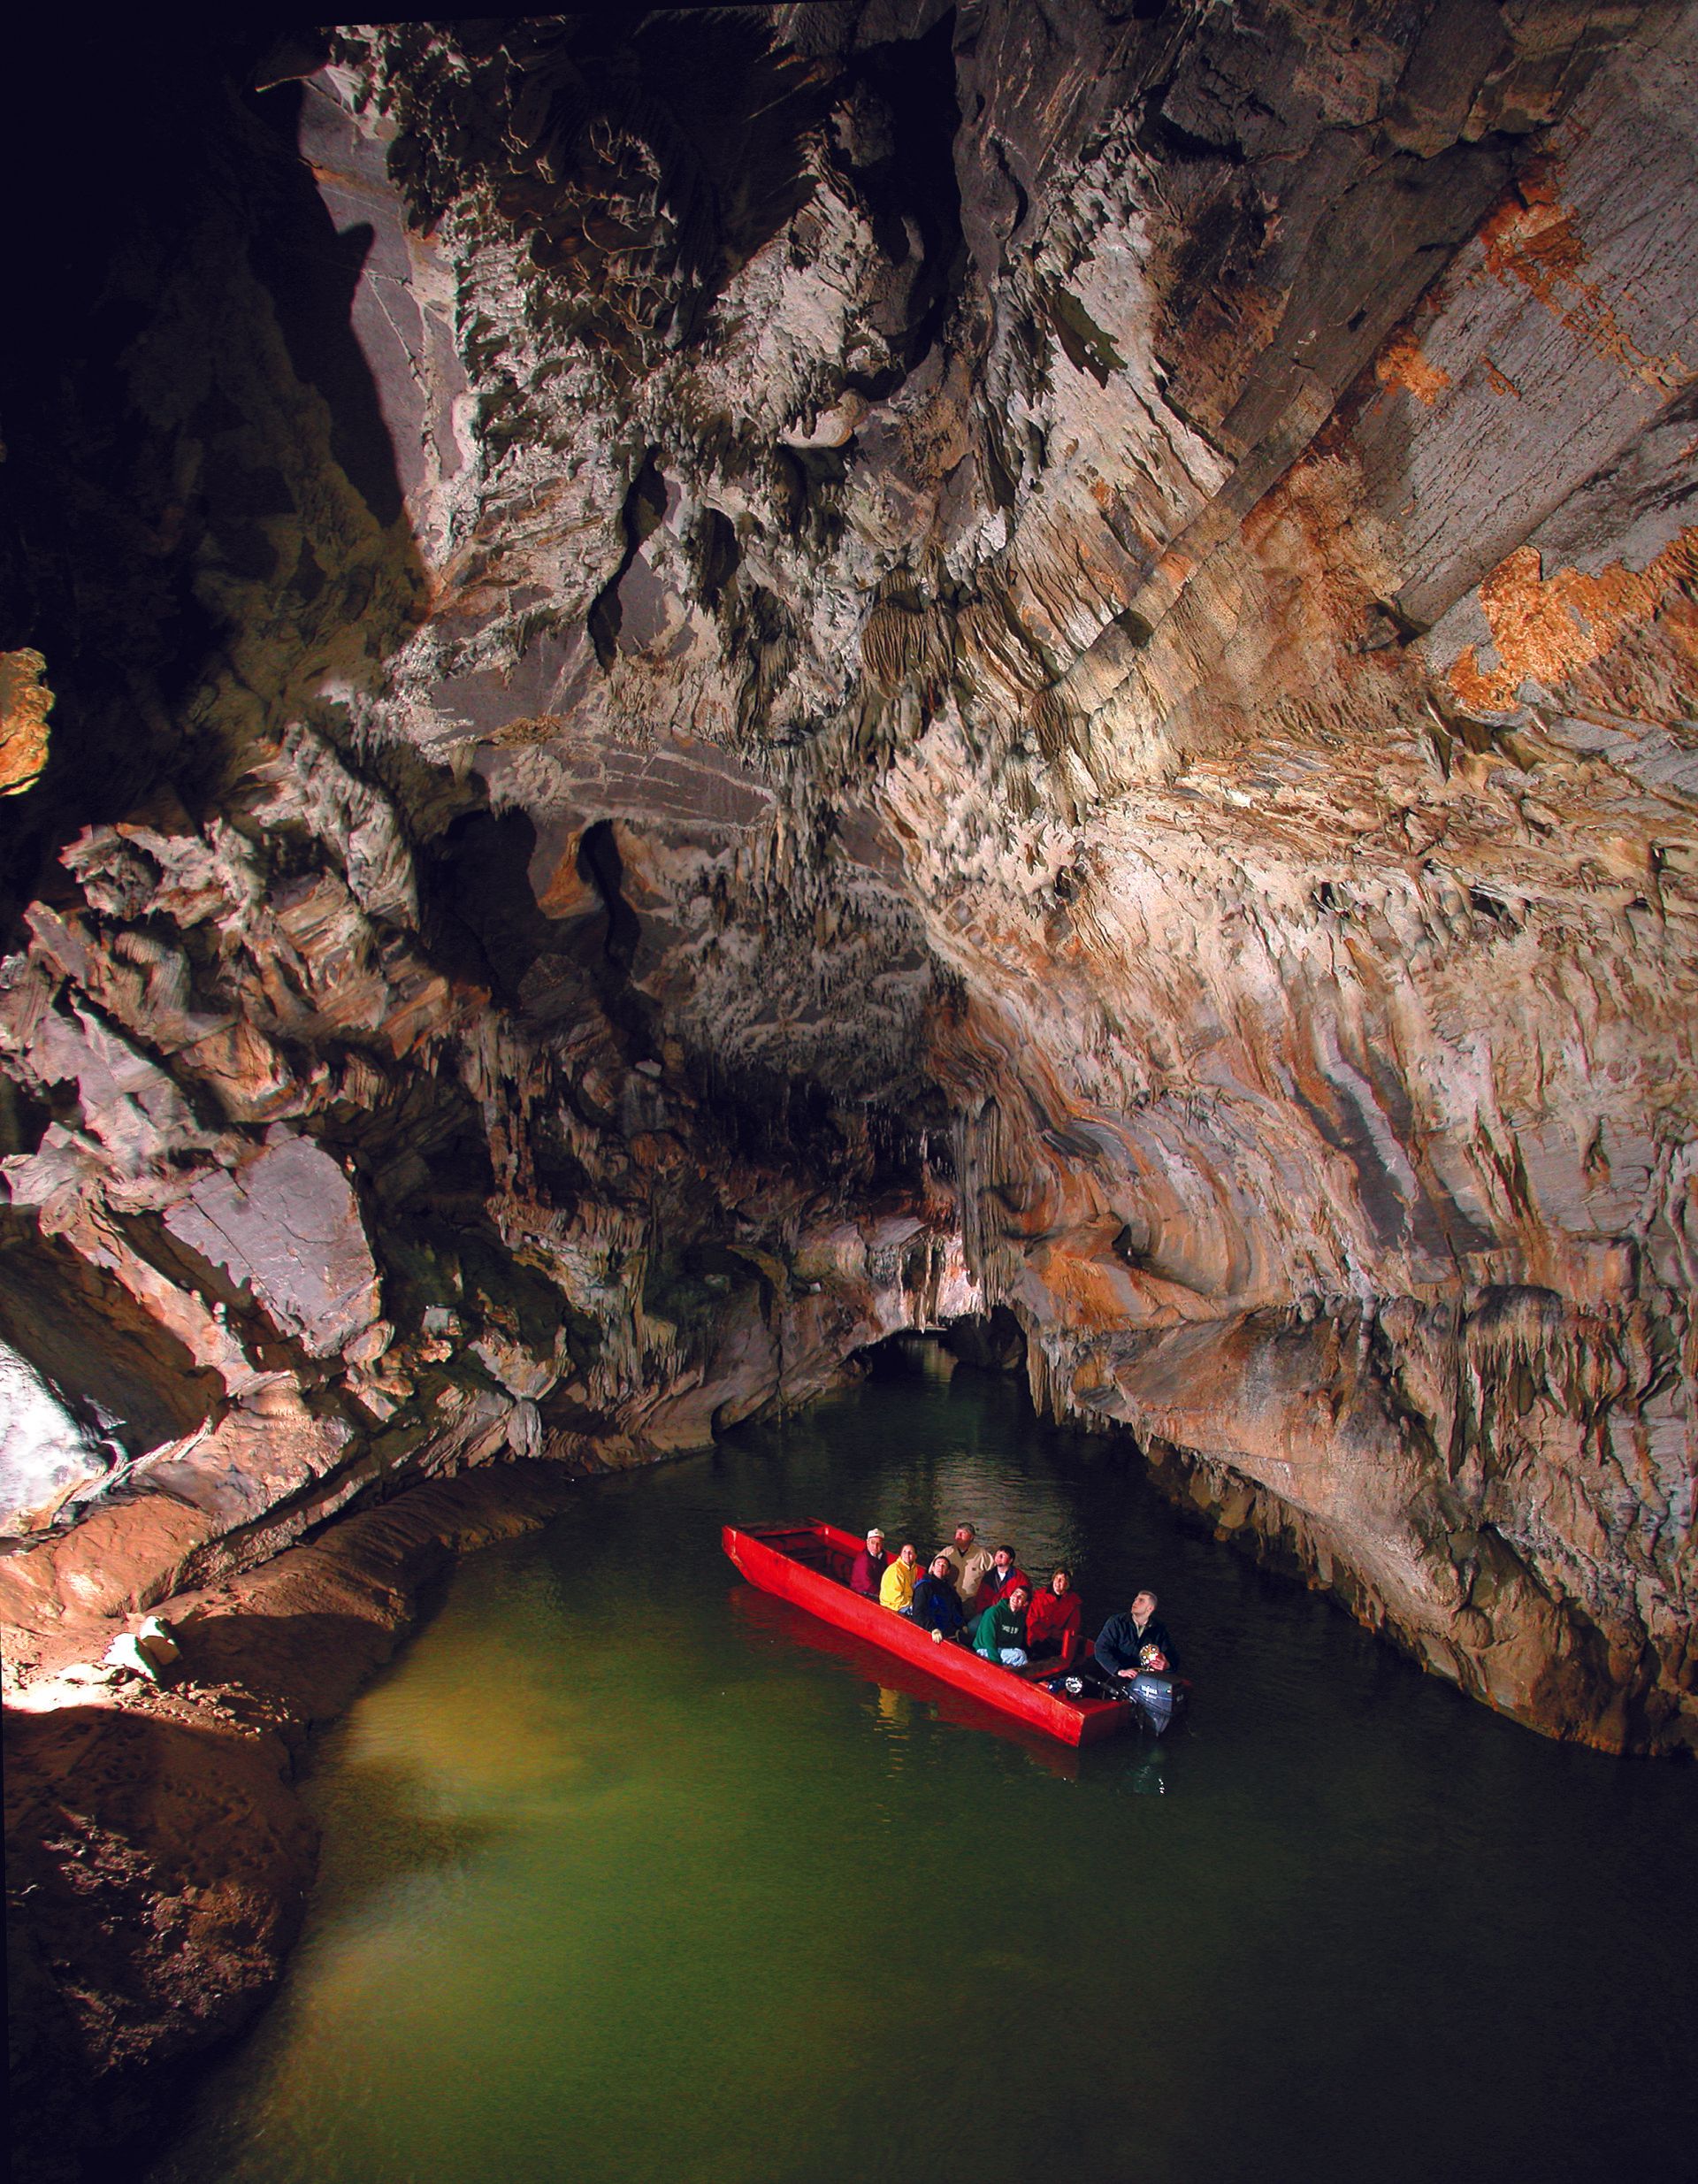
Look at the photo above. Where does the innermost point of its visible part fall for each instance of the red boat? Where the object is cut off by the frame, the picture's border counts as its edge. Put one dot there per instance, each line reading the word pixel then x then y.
pixel 809 1565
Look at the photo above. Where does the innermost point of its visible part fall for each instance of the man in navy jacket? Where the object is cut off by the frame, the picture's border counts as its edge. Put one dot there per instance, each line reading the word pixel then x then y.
pixel 1122 1638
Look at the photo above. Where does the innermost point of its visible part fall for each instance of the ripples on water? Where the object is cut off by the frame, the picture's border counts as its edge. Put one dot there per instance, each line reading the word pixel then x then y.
pixel 632 1874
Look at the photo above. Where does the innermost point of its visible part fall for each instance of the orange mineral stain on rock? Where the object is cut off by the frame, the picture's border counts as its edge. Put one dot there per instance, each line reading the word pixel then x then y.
pixel 1550 627
pixel 25 703
pixel 566 893
pixel 1400 364
pixel 1534 239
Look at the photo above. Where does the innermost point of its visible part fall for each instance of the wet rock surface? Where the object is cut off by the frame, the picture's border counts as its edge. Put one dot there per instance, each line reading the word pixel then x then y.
pixel 720 685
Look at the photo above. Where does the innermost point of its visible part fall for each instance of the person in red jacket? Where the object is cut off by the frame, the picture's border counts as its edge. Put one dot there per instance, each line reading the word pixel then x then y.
pixel 1052 1624
pixel 1001 1578
pixel 868 1574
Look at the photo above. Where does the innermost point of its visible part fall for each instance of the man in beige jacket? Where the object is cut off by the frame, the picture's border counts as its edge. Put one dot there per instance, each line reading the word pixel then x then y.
pixel 969 1562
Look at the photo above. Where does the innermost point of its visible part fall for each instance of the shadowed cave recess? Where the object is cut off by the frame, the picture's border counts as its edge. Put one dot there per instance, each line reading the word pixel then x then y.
pixel 685 687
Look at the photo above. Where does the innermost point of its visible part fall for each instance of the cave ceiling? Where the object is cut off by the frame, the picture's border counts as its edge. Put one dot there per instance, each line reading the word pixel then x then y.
pixel 688 686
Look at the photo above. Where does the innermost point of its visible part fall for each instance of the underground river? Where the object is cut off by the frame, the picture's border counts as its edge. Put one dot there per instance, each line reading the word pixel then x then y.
pixel 624 1880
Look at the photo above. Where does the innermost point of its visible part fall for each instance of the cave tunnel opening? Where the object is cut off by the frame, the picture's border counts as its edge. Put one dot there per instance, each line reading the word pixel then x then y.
pixel 992 1342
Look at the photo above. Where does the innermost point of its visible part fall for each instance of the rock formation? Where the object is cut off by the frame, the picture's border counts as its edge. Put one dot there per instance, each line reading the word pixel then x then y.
pixel 688 686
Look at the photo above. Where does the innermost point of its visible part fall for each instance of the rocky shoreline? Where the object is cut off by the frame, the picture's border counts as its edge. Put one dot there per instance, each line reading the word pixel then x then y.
pixel 157 1856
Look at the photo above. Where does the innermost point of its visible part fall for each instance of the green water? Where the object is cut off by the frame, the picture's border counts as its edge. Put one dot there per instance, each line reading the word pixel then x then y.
pixel 625 1881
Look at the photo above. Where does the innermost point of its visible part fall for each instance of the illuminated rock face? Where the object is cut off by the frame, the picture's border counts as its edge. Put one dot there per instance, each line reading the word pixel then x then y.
pixel 866 663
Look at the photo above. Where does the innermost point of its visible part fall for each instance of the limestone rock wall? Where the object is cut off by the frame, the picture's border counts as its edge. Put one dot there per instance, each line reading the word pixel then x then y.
pixel 831 666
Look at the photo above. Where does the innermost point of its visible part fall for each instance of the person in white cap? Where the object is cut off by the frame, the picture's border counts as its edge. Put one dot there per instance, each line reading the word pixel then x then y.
pixel 869 1572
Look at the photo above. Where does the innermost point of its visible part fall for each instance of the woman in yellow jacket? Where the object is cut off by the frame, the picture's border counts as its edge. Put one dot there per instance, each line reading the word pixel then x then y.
pixel 895 1587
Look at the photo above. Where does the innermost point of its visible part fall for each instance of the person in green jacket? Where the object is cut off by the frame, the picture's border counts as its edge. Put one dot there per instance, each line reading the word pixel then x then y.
pixel 1000 1634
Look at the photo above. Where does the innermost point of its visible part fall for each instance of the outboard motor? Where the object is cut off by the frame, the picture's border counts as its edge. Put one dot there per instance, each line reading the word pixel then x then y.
pixel 1157 1699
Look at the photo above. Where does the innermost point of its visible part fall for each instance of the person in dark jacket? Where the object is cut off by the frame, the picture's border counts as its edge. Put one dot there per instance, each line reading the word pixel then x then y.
pixel 936 1604
pixel 867 1573
pixel 1125 1642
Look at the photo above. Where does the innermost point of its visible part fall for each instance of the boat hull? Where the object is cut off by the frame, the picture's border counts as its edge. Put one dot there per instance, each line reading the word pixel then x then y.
pixel 806 1565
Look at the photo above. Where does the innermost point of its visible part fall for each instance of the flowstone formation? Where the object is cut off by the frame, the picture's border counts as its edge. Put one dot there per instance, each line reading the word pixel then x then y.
pixel 692 685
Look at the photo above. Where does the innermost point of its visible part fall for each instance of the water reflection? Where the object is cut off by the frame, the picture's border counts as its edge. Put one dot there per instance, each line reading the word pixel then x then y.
pixel 893 1711
pixel 774 1621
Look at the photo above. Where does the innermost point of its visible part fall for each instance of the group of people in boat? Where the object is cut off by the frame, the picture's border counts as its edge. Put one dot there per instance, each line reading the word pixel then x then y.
pixel 980 1596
